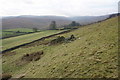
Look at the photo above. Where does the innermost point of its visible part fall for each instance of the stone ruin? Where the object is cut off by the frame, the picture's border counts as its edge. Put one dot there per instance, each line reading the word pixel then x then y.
pixel 62 39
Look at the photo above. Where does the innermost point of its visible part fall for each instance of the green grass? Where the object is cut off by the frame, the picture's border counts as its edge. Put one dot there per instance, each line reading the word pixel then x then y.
pixel 20 29
pixel 15 32
pixel 9 34
pixel 92 55
pixel 15 41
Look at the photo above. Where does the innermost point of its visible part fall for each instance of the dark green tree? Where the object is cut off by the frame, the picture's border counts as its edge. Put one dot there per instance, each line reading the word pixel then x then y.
pixel 35 29
pixel 18 31
pixel 73 23
pixel 53 25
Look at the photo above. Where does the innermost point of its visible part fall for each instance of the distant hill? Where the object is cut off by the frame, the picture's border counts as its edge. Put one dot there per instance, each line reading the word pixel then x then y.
pixel 114 15
pixel 89 19
pixel 43 22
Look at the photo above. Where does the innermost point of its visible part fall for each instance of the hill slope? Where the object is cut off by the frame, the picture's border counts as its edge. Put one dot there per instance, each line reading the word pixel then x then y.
pixel 93 54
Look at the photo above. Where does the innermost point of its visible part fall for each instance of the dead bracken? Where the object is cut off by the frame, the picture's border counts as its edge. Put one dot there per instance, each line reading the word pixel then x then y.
pixel 32 57
pixel 6 76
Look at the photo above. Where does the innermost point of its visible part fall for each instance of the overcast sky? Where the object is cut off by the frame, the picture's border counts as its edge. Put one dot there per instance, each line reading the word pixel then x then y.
pixel 58 7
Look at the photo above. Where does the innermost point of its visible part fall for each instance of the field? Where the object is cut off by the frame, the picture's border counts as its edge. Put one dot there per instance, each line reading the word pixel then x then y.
pixel 20 30
pixel 15 32
pixel 15 41
pixel 92 55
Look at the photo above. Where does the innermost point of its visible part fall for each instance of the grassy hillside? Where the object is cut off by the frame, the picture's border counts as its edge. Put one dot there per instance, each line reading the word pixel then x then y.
pixel 93 54
pixel 18 40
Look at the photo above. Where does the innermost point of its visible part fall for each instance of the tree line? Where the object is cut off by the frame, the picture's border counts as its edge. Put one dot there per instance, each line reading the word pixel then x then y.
pixel 72 25
pixel 53 26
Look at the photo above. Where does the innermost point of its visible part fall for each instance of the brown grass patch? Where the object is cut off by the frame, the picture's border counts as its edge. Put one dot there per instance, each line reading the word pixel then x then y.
pixel 32 57
pixel 6 76
pixel 25 59
pixel 10 53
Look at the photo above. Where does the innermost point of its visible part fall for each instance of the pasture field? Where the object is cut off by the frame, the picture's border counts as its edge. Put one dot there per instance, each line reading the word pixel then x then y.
pixel 9 34
pixel 20 30
pixel 15 32
pixel 18 40
pixel 92 55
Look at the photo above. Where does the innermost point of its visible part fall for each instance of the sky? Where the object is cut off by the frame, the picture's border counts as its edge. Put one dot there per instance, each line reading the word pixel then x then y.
pixel 58 7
